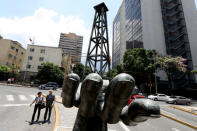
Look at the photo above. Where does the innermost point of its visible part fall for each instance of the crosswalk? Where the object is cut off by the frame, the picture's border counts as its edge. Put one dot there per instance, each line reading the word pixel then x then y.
pixel 14 98
pixel 10 97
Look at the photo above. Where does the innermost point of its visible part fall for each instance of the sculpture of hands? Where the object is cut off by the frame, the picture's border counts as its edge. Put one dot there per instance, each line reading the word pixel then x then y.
pixel 99 105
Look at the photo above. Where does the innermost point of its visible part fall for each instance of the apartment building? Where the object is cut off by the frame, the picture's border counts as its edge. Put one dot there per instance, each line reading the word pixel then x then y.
pixel 71 43
pixel 36 55
pixel 11 53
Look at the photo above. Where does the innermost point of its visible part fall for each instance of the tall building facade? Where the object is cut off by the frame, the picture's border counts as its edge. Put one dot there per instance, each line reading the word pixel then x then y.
pixel 36 55
pixel 71 43
pixel 168 26
pixel 11 53
pixel 118 47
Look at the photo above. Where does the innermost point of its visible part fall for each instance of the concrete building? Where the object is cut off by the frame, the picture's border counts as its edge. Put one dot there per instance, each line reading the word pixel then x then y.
pixel 119 46
pixel 168 26
pixel 11 53
pixel 36 55
pixel 71 43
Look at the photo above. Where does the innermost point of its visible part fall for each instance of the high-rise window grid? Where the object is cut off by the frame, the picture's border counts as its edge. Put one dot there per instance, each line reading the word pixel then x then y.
pixel 116 41
pixel 133 25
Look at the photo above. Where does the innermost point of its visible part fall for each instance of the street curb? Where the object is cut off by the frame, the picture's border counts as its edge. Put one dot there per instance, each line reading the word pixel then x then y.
pixel 182 109
pixel 16 85
pixel 57 117
pixel 179 121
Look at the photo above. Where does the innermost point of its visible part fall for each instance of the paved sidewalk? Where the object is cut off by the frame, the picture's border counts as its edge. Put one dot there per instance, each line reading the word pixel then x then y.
pixel 16 85
pixel 67 117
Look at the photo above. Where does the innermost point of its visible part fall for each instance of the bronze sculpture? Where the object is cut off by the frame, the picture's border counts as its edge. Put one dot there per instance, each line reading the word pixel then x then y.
pixel 97 108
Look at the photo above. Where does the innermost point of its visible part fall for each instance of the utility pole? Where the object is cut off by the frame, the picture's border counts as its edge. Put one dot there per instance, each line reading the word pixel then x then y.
pixel 25 73
pixel 155 73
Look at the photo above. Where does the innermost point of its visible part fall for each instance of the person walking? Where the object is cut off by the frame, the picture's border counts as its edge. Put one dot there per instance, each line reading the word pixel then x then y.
pixel 9 80
pixel 39 100
pixel 49 105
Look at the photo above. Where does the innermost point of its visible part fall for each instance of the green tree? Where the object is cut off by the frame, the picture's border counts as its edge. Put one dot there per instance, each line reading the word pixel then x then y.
pixel 139 62
pixel 4 69
pixel 48 72
pixel 170 65
pixel 14 70
pixel 119 68
pixel 88 70
pixel 79 69
pixel 112 73
pixel 4 72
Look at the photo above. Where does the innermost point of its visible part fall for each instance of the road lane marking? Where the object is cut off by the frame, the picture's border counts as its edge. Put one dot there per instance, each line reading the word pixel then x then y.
pixel 124 126
pixel 168 112
pixel 10 97
pixel 66 127
pixel 11 105
pixel 174 129
pixel 22 97
pixel 179 121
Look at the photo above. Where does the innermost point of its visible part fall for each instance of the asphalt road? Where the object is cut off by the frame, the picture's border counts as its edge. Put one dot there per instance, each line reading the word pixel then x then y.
pixel 15 112
pixel 187 117
pixel 162 123
pixel 159 124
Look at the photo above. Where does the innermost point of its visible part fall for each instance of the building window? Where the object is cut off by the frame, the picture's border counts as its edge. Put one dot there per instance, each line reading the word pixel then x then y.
pixel 8 64
pixel 15 57
pixel 16 50
pixel 31 49
pixel 12 47
pixel 28 66
pixel 30 57
pixel 41 59
pixel 10 55
pixel 42 51
pixel 39 67
pixel 22 53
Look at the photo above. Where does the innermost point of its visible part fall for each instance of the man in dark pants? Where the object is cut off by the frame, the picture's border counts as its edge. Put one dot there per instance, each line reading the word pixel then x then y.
pixel 49 105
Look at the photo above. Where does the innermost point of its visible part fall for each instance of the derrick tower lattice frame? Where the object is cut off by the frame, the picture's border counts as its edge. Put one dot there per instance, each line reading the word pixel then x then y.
pixel 98 57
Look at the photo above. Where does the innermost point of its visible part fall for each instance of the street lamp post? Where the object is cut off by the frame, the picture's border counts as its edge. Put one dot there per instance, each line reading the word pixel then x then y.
pixel 155 73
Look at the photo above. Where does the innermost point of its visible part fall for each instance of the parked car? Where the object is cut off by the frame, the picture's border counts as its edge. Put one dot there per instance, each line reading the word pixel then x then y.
pixel 158 97
pixel 179 100
pixel 49 86
pixel 171 99
pixel 132 98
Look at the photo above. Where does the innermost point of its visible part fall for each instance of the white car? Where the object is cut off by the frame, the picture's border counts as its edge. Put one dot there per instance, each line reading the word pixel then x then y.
pixel 158 97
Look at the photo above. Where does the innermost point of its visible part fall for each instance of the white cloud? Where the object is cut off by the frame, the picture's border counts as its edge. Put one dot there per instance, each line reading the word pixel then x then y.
pixel 44 26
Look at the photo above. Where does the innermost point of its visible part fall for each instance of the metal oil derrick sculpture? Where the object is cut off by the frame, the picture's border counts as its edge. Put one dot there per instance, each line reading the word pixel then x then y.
pixel 98 50
pixel 98 104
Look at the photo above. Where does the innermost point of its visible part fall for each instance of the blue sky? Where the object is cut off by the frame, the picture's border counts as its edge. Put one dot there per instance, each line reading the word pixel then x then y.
pixel 44 20
pixel 79 8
